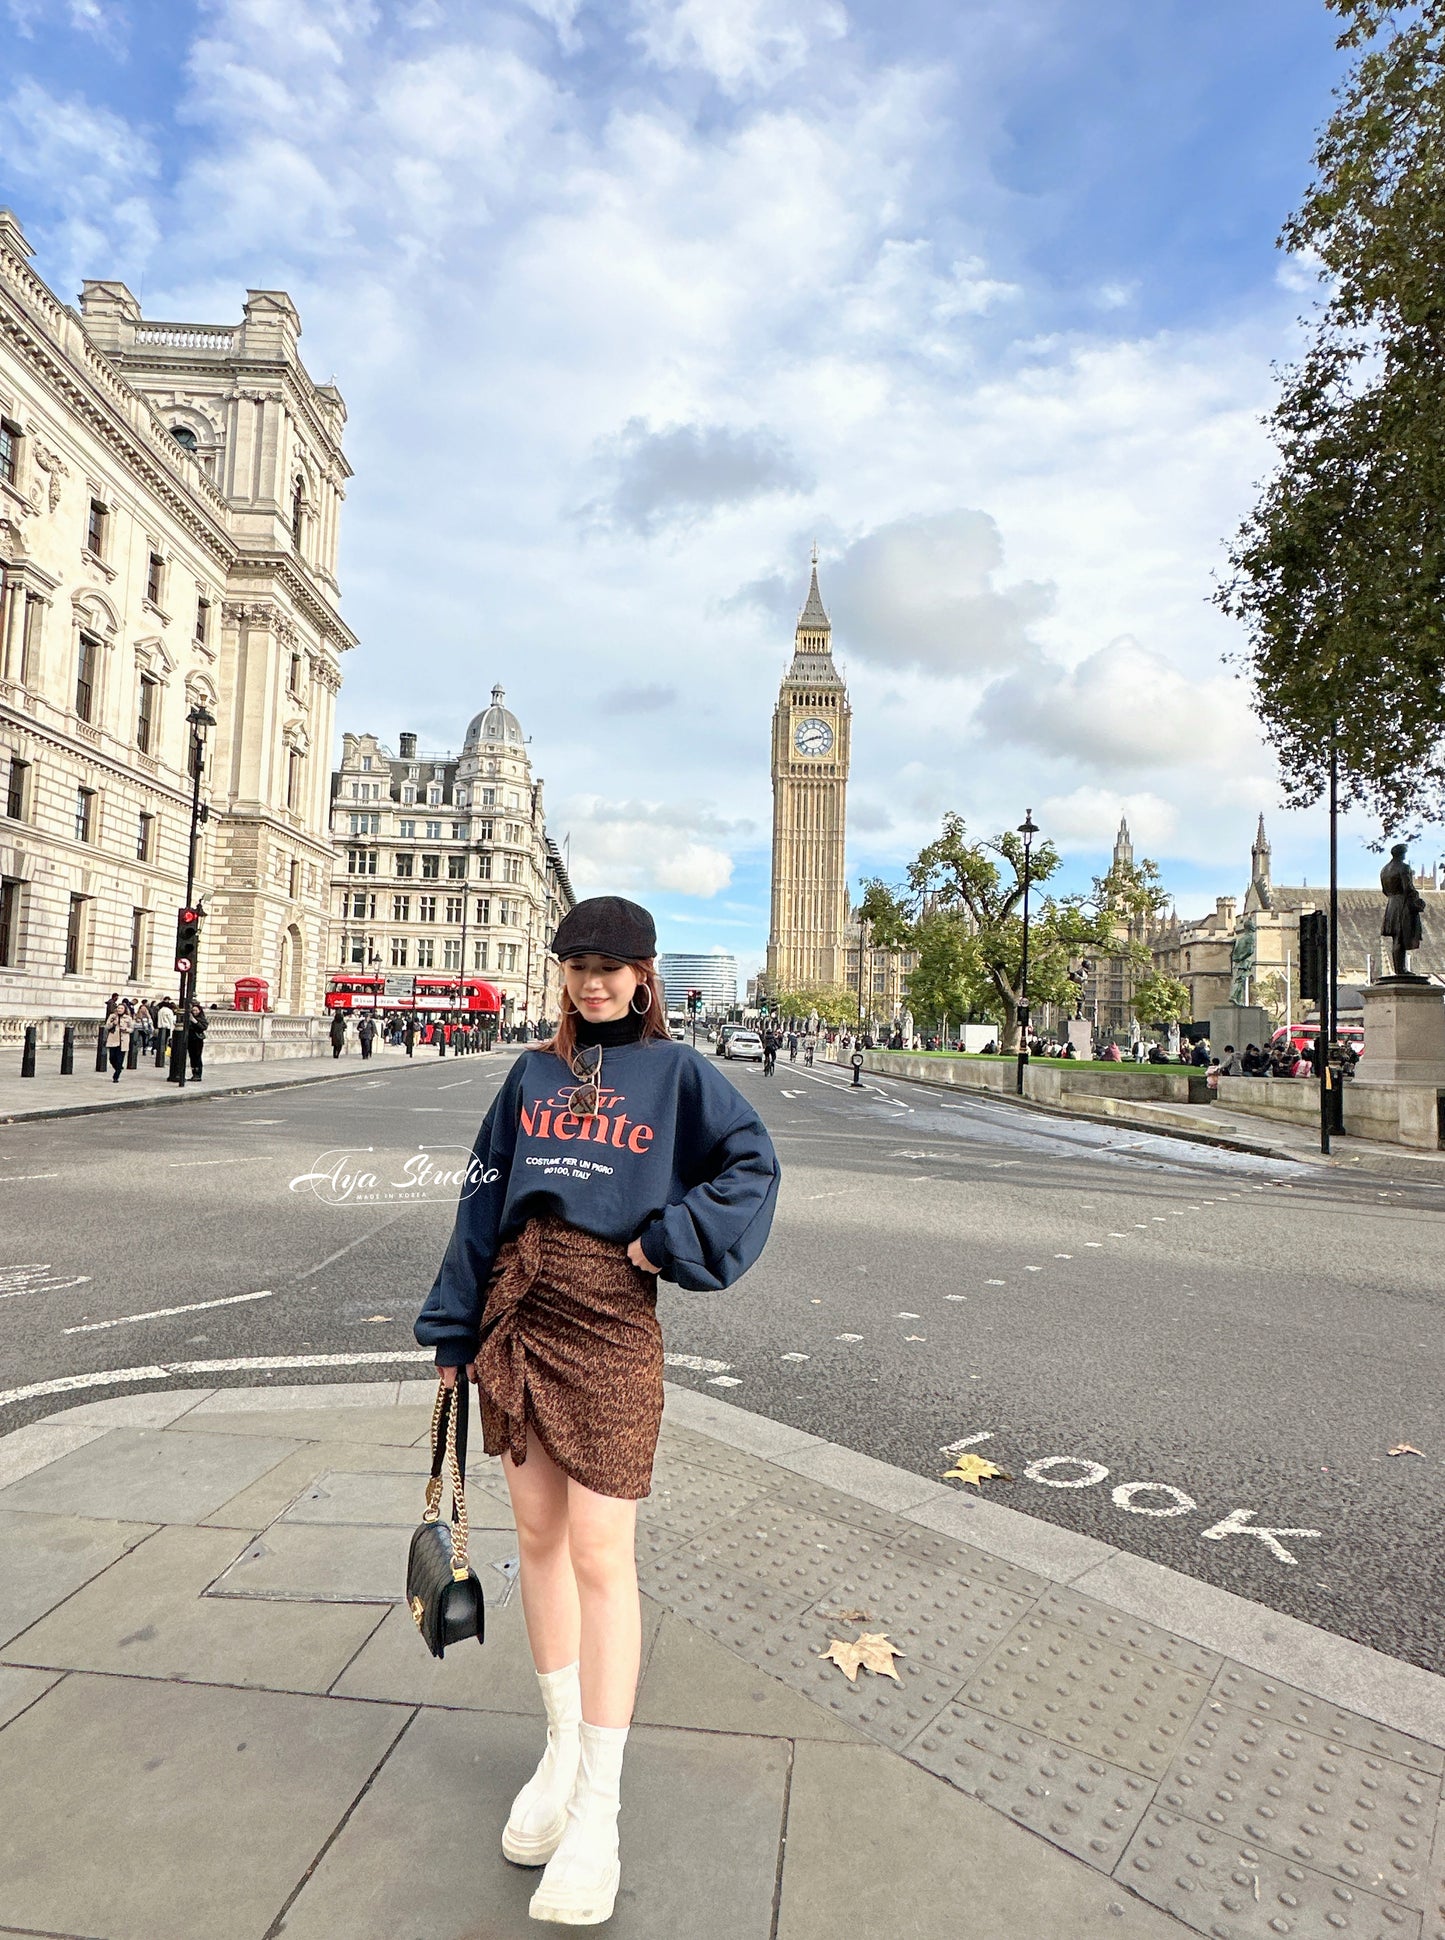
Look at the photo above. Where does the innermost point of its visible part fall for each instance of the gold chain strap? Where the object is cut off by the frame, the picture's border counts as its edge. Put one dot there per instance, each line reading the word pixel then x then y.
pixel 460 1531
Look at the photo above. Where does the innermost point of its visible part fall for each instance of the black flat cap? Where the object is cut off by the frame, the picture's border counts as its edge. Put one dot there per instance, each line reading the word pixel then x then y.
pixel 606 926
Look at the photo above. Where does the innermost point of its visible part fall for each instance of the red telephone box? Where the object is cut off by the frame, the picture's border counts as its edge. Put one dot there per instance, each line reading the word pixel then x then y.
pixel 253 993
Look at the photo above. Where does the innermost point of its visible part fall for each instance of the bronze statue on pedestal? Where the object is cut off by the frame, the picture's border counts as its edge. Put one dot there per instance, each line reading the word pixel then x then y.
pixel 1404 910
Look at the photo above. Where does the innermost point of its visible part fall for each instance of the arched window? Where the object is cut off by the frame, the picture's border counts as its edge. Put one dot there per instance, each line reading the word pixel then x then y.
pixel 298 512
pixel 184 436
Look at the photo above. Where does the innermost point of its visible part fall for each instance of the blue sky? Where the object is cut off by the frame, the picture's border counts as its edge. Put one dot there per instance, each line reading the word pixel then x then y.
pixel 630 302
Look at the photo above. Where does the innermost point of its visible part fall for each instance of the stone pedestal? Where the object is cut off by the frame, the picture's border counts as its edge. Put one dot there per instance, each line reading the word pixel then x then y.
pixel 1239 1025
pixel 1081 1036
pixel 1404 1033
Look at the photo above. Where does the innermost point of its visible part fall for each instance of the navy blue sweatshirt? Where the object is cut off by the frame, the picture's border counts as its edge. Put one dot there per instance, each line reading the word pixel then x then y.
pixel 675 1157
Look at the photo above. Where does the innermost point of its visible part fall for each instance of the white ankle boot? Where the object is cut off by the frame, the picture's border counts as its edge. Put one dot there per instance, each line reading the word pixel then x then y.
pixel 539 1811
pixel 580 1884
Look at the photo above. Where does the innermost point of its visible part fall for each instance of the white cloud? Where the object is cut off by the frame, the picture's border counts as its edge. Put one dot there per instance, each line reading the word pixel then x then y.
pixel 1124 709
pixel 742 44
pixel 1088 819
pixel 923 593
pixel 96 170
pixel 677 475
pixel 634 845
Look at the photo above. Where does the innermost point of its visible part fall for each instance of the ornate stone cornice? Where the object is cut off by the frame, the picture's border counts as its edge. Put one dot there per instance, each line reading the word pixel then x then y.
pixel 117 436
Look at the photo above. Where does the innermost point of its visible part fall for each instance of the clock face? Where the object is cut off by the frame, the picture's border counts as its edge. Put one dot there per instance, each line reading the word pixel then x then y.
pixel 812 736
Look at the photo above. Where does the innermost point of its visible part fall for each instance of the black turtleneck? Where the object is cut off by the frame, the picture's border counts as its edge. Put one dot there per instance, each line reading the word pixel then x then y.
pixel 611 1032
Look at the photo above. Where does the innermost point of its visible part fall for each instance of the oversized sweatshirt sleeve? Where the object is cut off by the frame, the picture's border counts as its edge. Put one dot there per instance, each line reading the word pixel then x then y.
pixel 451 1316
pixel 710 1237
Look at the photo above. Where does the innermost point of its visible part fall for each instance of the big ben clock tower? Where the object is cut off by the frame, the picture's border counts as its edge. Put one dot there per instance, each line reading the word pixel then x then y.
pixel 806 943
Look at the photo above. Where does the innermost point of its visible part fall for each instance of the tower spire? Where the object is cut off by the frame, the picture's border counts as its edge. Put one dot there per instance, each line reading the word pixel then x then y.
pixel 814 617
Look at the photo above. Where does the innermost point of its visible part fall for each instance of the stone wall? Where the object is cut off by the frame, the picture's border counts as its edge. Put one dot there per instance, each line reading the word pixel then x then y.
pixel 234 1037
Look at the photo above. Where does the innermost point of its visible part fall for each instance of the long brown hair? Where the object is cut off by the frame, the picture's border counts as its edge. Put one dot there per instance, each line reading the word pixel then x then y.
pixel 654 1023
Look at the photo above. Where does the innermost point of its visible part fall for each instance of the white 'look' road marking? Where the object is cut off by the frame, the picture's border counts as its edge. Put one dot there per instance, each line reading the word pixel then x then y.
pixel 16 1281
pixel 164 1313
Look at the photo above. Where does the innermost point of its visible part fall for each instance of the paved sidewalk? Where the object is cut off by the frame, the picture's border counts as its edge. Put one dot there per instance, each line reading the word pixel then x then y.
pixel 218 1723
pixel 48 1095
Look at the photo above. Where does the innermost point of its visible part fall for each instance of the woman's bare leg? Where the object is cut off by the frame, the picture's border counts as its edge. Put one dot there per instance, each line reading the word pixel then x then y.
pixel 602 1531
pixel 549 1590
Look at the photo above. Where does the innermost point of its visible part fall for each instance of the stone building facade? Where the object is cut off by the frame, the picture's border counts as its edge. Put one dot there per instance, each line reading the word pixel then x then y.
pixel 170 495
pixel 812 725
pixel 442 865
pixel 1256 942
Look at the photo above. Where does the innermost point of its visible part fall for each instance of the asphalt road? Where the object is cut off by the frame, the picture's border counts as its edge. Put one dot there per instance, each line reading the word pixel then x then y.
pixel 1166 1346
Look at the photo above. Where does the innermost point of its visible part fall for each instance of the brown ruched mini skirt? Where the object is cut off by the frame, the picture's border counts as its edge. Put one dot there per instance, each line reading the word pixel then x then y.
pixel 571 1343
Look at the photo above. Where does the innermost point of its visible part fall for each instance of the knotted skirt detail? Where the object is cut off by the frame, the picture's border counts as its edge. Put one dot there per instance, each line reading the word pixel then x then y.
pixel 571 1342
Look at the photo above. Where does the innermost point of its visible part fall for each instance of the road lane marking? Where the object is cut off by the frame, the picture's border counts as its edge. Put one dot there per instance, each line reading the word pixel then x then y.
pixel 24 1178
pixel 451 1087
pixel 164 1313
pixel 696 1363
pixel 341 1252
pixel 724 1381
pixel 165 1370
pixel 966 1441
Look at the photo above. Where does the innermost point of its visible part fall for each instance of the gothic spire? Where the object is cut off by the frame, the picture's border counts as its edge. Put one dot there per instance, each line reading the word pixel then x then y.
pixel 814 618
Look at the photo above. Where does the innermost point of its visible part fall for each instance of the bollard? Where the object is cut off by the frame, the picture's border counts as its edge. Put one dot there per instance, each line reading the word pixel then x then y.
pixel 132 1052
pixel 857 1071
pixel 27 1056
pixel 67 1051
pixel 100 1047
pixel 162 1041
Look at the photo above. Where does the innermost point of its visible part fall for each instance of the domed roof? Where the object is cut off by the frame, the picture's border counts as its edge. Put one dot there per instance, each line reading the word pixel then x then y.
pixel 495 723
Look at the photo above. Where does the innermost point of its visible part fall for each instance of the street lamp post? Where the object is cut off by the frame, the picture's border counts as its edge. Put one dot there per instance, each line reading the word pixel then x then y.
pixel 1028 832
pixel 198 720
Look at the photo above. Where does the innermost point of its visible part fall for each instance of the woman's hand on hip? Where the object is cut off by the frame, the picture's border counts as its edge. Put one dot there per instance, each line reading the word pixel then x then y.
pixel 639 1258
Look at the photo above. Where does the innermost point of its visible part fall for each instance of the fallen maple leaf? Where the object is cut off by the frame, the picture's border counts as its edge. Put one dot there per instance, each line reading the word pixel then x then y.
pixel 1406 1448
pixel 871 1650
pixel 973 1468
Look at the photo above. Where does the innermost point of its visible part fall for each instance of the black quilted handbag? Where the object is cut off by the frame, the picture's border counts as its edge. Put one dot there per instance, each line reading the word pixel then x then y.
pixel 443 1591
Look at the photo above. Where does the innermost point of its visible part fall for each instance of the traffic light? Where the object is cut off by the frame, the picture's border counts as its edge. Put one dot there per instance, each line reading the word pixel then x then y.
pixel 188 938
pixel 1314 954
pixel 694 1001
pixel 763 1008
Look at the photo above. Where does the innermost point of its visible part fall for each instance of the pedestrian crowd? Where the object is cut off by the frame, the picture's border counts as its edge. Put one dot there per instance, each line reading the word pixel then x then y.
pixel 133 1028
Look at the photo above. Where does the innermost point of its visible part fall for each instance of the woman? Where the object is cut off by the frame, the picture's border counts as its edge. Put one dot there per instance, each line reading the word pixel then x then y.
pixel 119 1023
pixel 611 1157
pixel 197 1024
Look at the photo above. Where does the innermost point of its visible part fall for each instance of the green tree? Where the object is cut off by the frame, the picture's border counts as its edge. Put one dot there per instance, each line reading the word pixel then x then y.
pixel 947 981
pixel 1161 1000
pixel 834 1005
pixel 981 884
pixel 1338 574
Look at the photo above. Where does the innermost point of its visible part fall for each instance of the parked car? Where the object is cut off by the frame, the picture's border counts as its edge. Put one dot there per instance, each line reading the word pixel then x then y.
pixel 744 1044
pixel 725 1031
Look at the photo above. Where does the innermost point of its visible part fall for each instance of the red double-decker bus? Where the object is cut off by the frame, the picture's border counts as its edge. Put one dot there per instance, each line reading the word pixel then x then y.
pixel 455 993
pixel 355 992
